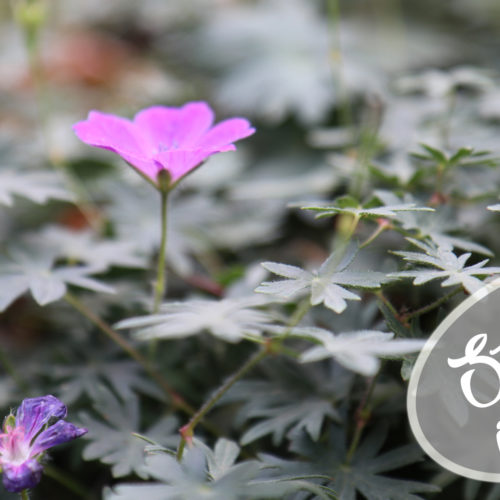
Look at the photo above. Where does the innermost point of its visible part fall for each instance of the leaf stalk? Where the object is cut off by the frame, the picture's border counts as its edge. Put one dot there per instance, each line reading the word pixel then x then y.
pixel 176 399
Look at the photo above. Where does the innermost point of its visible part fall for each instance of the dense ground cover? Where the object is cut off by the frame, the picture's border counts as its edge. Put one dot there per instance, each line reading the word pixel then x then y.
pixel 245 329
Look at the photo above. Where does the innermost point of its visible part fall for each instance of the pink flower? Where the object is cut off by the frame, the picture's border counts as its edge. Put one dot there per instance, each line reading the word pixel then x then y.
pixel 176 140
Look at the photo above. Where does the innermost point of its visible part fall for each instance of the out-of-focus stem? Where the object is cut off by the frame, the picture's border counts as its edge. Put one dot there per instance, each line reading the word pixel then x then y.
pixel 361 418
pixel 451 101
pixel 345 228
pixel 334 15
pixel 68 482
pixel 177 400
pixel 161 278
pixel 378 231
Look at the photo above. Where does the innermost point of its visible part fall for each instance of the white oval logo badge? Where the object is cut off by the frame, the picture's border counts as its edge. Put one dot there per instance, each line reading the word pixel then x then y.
pixel 454 390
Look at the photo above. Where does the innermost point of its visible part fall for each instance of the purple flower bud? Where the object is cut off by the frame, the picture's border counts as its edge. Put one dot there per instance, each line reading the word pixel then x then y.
pixel 38 427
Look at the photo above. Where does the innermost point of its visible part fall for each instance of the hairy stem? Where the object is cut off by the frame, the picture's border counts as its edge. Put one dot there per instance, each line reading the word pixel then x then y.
pixel 187 431
pixel 380 229
pixel 24 495
pixel 161 278
pixel 387 303
pixel 361 417
pixel 431 306
pixel 177 400
pixel 363 412
pixel 269 347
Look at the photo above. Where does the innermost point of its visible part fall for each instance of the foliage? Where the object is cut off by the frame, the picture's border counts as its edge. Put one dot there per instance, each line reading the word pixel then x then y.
pixel 363 473
pixel 324 284
pixel 358 351
pixel 38 187
pixel 450 266
pixel 112 440
pixel 211 474
pixel 229 319
pixel 24 270
pixel 303 271
pixel 290 398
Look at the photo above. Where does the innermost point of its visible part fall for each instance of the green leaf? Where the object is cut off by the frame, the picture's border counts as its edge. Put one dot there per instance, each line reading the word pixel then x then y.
pixel 38 187
pixel 86 247
pixel 226 479
pixel 83 377
pixel 438 155
pixel 346 201
pixel 450 267
pixel 326 284
pixel 357 351
pixel 111 436
pixel 293 398
pixel 364 472
pixel 29 270
pixel 462 153
pixel 436 226
pixel 228 319
pixel 370 209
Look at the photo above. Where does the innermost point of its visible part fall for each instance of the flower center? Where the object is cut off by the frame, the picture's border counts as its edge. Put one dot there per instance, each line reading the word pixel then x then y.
pixel 14 447
pixel 168 147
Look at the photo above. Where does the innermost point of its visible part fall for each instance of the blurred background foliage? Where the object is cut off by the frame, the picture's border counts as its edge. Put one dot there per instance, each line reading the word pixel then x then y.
pixel 331 85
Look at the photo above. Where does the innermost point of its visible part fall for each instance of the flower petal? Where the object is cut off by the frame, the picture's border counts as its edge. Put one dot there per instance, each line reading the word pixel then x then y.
pixel 21 477
pixel 59 433
pixel 175 128
pixel 120 136
pixel 179 163
pixel 225 133
pixel 164 138
pixel 34 413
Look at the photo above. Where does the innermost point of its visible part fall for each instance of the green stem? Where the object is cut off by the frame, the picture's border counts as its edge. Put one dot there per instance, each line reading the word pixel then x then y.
pixel 30 15
pixel 431 306
pixel 270 347
pixel 161 280
pixel 380 229
pixel 177 400
pixel 346 227
pixel 387 303
pixel 363 412
pixel 300 312
pixel 187 431
pixel 25 495
pixel 451 99
pixel 182 446
pixel 72 485
pixel 366 149
pixel 352 228
pixel 362 416
pixel 335 18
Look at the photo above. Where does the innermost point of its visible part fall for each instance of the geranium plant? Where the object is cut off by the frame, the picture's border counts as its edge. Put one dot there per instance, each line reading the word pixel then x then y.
pixel 345 201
